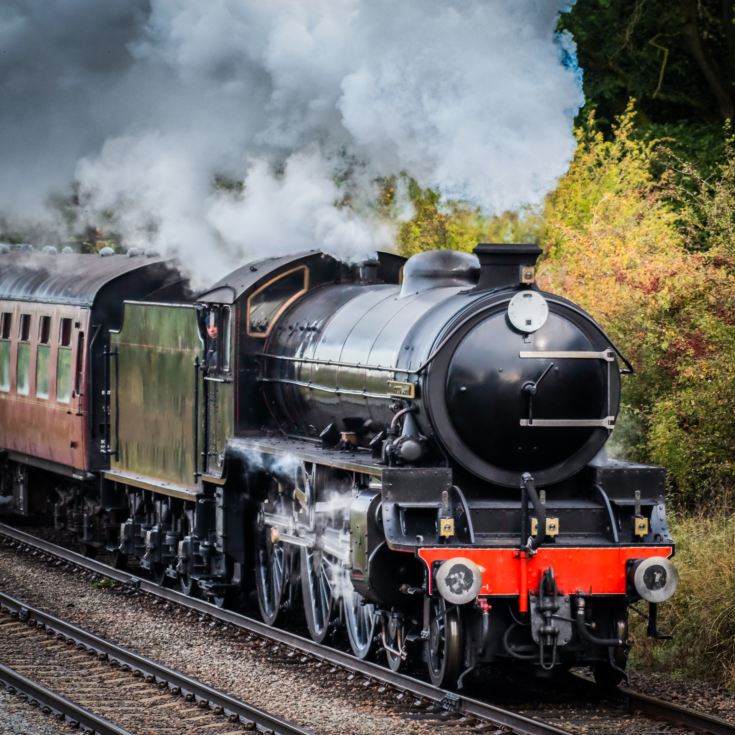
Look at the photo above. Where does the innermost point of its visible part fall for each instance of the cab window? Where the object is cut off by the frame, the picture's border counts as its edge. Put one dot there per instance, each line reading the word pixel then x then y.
pixel 272 299
pixel 217 342
pixel 6 325
pixel 23 365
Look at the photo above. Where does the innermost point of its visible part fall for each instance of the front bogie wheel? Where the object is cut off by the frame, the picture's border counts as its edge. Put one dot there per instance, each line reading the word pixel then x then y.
pixel 394 642
pixel 609 674
pixel 444 650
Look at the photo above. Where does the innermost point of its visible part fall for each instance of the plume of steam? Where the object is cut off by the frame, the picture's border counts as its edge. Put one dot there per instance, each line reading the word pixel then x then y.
pixel 285 468
pixel 144 103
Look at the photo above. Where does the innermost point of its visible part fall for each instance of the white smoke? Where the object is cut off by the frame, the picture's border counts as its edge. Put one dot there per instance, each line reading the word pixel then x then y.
pixel 299 203
pixel 305 102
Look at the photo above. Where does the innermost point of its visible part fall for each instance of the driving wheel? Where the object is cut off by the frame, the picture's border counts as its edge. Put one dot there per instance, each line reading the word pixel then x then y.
pixel 316 588
pixel 270 573
pixel 360 622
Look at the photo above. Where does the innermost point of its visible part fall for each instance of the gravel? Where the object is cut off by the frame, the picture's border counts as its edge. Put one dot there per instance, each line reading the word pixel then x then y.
pixel 313 695
pixel 701 696
pixel 17 717
pixel 119 696
pixel 571 705
pixel 310 694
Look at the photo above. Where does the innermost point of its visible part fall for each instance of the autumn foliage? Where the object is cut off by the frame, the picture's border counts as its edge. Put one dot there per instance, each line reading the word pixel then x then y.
pixel 640 241
pixel 645 244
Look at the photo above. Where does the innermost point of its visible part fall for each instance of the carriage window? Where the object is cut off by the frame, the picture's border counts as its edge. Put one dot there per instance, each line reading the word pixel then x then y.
pixel 25 327
pixel 23 365
pixel 78 376
pixel 6 323
pixel 272 299
pixel 42 363
pixel 65 333
pixel 64 375
pixel 5 326
pixel 43 355
pixel 44 330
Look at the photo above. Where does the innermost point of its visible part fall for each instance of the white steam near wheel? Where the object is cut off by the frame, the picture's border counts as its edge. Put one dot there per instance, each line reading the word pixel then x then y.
pixel 359 616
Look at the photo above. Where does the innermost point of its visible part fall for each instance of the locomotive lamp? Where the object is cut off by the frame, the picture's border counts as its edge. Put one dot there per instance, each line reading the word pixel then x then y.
pixel 655 579
pixel 528 275
pixel 528 311
pixel 459 580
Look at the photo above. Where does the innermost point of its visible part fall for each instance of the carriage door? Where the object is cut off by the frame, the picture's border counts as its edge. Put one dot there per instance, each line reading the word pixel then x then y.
pixel 218 388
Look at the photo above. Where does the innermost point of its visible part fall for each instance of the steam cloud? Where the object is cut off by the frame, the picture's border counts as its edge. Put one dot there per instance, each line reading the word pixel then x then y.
pixel 143 103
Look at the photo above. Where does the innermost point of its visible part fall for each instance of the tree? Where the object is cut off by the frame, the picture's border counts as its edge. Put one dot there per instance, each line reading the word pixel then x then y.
pixel 676 57
pixel 619 234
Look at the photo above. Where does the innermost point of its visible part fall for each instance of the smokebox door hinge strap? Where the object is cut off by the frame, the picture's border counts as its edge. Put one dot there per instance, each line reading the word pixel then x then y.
pixel 608 422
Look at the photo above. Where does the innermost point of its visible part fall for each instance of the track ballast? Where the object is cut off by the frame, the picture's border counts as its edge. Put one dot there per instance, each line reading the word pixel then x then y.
pixel 506 720
pixel 102 685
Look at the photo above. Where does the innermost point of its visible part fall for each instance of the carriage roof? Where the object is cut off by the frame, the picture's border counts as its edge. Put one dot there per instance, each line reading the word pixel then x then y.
pixel 74 278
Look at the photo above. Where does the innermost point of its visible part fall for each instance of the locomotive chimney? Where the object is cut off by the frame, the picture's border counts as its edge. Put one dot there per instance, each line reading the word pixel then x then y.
pixel 367 271
pixel 504 265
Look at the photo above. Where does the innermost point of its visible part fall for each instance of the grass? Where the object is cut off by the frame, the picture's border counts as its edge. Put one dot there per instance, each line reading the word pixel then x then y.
pixel 701 615
pixel 103 584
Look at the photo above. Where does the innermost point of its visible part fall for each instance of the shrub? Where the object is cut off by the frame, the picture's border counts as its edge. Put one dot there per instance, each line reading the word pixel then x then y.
pixel 618 231
pixel 701 615
pixel 104 584
pixel 455 225
pixel 645 243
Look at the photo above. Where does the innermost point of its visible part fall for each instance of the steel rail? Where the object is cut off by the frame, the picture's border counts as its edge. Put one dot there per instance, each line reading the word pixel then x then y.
pixel 186 685
pixel 660 709
pixel 71 712
pixel 675 714
pixel 635 701
pixel 451 701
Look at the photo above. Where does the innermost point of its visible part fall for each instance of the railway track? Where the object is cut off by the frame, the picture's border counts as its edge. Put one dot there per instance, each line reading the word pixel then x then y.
pixel 108 689
pixel 659 709
pixel 450 702
pixel 52 703
pixel 478 713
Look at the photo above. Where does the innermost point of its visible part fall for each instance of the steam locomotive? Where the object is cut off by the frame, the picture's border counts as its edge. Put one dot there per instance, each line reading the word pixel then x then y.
pixel 410 451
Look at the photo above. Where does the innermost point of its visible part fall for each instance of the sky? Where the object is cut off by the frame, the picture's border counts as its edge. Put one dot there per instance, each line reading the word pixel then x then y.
pixel 140 106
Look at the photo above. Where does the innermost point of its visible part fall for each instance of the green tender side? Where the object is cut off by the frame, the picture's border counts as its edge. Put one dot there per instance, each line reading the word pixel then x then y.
pixel 221 402
pixel 153 393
